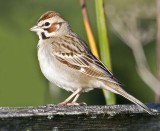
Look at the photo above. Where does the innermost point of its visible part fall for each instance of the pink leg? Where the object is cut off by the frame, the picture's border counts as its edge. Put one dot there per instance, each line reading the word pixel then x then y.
pixel 71 96
pixel 76 97
pixel 74 103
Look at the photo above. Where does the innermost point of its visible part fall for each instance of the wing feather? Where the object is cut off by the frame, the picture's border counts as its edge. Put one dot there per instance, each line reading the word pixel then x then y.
pixel 82 60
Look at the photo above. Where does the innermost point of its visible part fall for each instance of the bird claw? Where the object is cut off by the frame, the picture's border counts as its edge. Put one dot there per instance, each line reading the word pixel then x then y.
pixel 72 104
pixel 68 104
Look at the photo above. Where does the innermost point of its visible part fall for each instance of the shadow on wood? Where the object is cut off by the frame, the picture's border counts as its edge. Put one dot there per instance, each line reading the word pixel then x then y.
pixel 53 117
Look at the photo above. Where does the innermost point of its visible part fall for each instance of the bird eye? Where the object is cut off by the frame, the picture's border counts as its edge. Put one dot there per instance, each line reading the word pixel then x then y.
pixel 47 24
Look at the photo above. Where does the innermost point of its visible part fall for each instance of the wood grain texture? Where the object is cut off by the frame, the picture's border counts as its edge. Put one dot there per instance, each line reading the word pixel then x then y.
pixel 53 117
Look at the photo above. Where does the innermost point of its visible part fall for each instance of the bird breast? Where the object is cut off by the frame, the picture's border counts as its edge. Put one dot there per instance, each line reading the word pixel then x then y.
pixel 60 74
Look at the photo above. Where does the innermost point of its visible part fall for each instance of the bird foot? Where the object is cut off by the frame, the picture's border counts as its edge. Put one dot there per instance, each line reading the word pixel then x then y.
pixel 68 104
pixel 72 104
pixel 62 103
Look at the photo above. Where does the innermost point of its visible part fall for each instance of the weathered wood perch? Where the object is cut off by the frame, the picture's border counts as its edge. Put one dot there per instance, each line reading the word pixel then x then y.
pixel 53 117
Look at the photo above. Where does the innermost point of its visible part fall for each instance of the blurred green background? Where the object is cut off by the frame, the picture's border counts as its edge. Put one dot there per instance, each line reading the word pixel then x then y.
pixel 21 81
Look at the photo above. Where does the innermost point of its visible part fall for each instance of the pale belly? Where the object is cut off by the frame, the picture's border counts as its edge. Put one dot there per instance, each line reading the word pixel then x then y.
pixel 62 75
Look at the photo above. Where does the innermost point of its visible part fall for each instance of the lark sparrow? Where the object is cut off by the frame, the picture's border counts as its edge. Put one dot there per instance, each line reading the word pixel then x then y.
pixel 66 61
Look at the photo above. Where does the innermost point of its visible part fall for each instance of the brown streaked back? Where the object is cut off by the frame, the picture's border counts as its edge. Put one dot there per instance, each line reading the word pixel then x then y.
pixel 48 15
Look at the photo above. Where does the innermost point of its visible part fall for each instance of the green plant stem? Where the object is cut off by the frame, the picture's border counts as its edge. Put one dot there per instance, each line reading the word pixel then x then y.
pixel 104 45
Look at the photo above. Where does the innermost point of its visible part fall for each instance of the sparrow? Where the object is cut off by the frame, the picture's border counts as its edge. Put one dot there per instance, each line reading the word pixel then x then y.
pixel 66 61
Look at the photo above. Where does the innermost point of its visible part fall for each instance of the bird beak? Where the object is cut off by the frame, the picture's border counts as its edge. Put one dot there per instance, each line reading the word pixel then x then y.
pixel 35 28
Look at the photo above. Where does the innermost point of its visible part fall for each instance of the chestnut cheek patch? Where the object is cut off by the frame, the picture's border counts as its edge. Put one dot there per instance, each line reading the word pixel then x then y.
pixel 54 27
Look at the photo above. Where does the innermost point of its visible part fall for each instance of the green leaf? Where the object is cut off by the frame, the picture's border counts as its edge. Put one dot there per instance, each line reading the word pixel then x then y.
pixel 104 45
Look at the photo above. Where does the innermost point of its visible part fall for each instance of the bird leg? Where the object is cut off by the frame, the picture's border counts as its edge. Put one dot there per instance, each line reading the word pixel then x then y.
pixel 74 100
pixel 76 94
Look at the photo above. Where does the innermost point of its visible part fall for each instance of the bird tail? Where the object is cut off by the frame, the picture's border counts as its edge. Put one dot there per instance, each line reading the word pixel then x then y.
pixel 118 90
